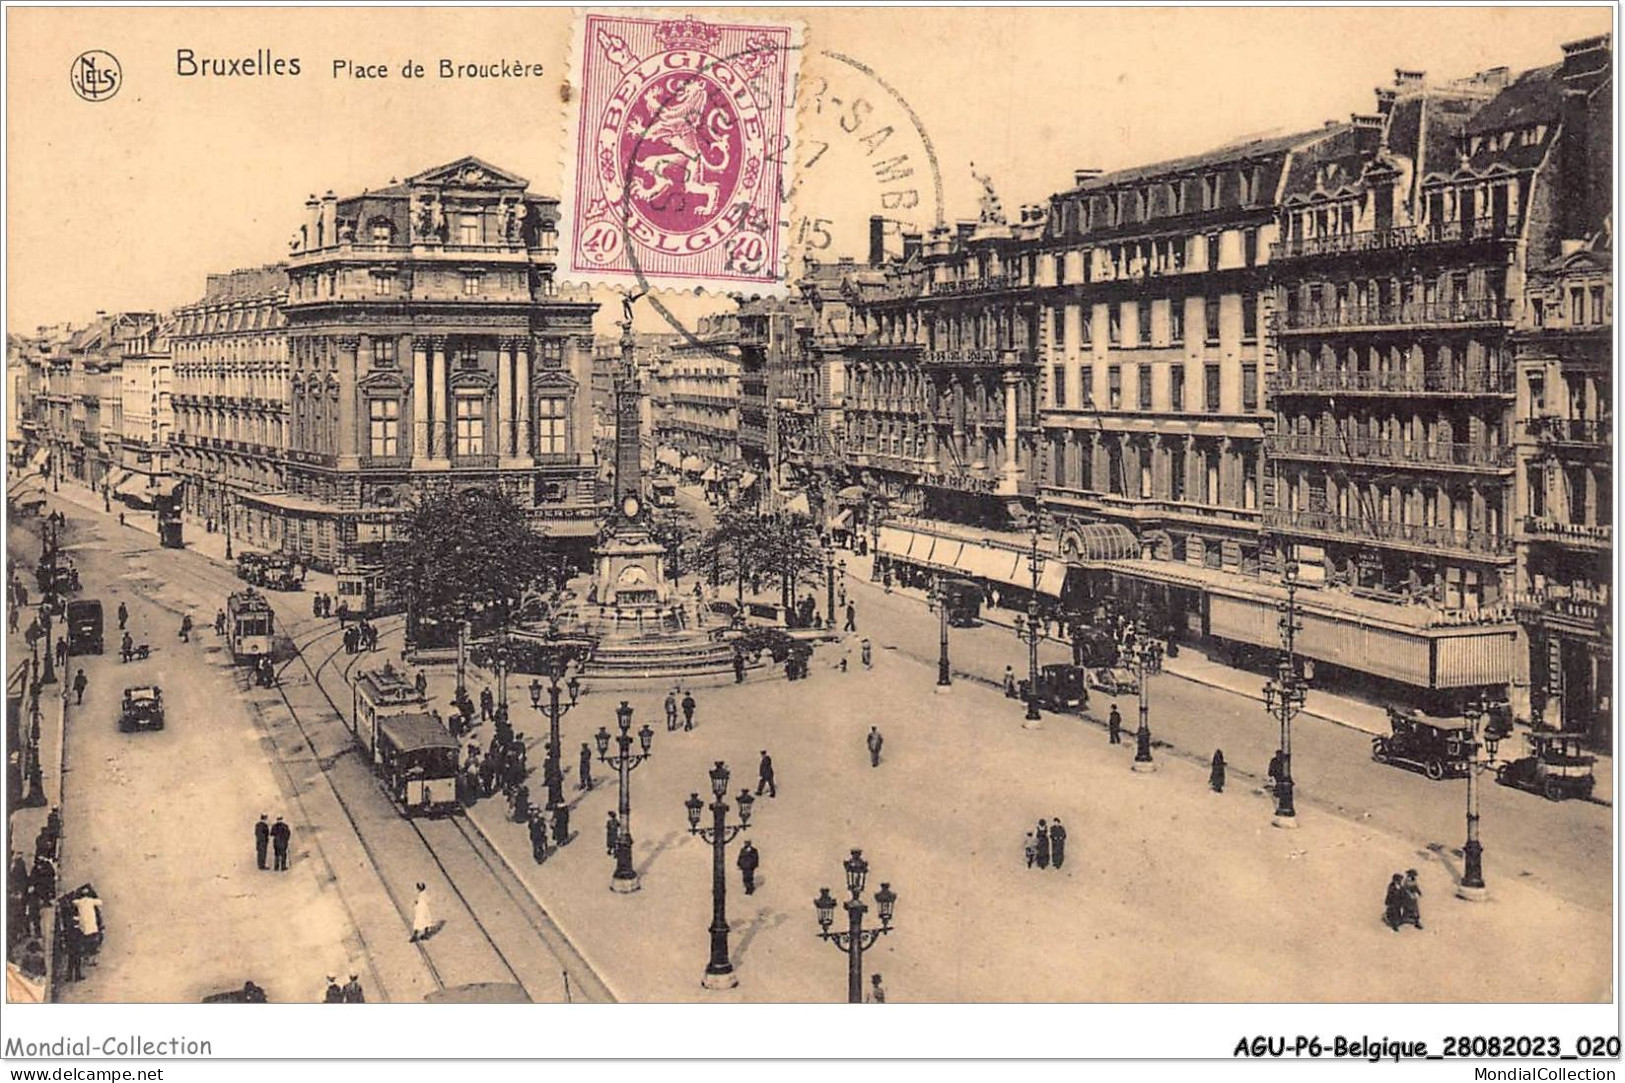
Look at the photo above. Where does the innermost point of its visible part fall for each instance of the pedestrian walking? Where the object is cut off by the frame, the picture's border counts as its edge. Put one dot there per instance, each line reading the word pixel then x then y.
pixel 876 993
pixel 76 955
pixel 612 833
pixel 186 628
pixel 335 993
pixel 1114 726
pixel 1009 682
pixel 12 617
pixel 1277 769
pixel 487 704
pixel 739 660
pixel 868 655
pixel 126 648
pixel 421 683
pixel 851 617
pixel 688 710
pixel 1215 778
pixel 874 741
pixel 1393 903
pixel 219 622
pixel 1029 847
pixel 1413 899
pixel 123 615
pixel 1057 842
pixel 352 991
pixel 80 683
pixel 584 768
pixel 262 840
pixel 281 835
pixel 749 859
pixel 422 915
pixel 561 824
pixel 671 711
pixel 538 837
pixel 1043 844
pixel 62 652
pixel 764 776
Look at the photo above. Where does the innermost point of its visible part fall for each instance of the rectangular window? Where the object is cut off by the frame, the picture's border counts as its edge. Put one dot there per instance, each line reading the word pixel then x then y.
pixel 1213 252
pixel 1210 313
pixel 1058 321
pixel 1176 472
pixel 1596 305
pixel 384 424
pixel 1057 375
pixel 1114 388
pixel 470 425
pixel 1249 242
pixel 1249 317
pixel 1176 321
pixel 1249 387
pixel 383 351
pixel 382 285
pixel 1145 387
pixel 1143 316
pixel 1086 386
pixel 468 230
pixel 1176 387
pixel 1114 326
pixel 1210 192
pixel 551 436
pixel 471 285
pixel 1211 398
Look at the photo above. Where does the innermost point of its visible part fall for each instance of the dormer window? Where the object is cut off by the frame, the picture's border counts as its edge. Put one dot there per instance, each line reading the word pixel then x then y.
pixel 1210 192
pixel 382 231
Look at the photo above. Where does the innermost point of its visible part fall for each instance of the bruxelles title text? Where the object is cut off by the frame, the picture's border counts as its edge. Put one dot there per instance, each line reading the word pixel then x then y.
pixel 266 64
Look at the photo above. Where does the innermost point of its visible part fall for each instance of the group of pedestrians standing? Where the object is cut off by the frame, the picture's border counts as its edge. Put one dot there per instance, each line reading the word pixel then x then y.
pixel 321 606
pixel 349 993
pixel 687 704
pixel 362 636
pixel 1046 845
pixel 272 837
pixel 1403 904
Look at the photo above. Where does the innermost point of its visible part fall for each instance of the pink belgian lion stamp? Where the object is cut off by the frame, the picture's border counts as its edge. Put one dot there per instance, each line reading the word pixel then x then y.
pixel 680 137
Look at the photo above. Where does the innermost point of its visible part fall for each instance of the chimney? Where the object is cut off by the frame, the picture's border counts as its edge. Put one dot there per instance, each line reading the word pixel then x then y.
pixel 1587 61
pixel 911 246
pixel 1367 131
pixel 313 214
pixel 1385 100
pixel 964 228
pixel 1080 177
pixel 877 240
pixel 330 223
pixel 1408 81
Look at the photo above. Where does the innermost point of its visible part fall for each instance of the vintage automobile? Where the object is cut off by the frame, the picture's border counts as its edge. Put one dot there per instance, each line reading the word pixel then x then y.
pixel 1438 747
pixel 1061 688
pixel 1115 680
pixel 143 709
pixel 251 568
pixel 964 600
pixel 1557 767
pixel 281 573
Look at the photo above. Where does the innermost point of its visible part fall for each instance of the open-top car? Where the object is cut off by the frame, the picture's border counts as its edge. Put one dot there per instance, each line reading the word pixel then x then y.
pixel 1557 767
pixel 143 708
pixel 1115 680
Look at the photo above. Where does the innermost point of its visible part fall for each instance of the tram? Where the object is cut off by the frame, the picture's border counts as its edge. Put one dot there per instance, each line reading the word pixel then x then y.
pixel 413 756
pixel 250 625
pixel 362 592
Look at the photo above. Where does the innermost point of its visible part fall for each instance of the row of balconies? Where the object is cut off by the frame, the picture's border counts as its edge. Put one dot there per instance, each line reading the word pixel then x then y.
pixel 1397 238
pixel 1407 535
pixel 1468 381
pixel 726 402
pixel 1397 316
pixel 1582 535
pixel 989 284
pixel 1134 507
pixel 1569 430
pixel 1423 454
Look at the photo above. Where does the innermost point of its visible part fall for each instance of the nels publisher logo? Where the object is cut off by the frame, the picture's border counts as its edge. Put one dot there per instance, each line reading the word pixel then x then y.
pixel 96 75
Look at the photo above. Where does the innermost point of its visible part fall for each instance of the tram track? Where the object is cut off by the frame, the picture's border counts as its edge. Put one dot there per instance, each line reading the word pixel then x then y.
pixel 495 915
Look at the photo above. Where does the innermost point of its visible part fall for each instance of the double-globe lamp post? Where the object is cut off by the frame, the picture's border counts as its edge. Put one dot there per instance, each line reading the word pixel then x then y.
pixel 625 880
pixel 719 972
pixel 939 602
pixel 1031 631
pixel 856 939
pixel 553 771
pixel 1284 697
pixel 1141 649
pixel 1472 886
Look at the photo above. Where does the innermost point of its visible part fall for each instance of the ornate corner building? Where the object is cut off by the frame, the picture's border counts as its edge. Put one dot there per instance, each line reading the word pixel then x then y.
pixel 413 340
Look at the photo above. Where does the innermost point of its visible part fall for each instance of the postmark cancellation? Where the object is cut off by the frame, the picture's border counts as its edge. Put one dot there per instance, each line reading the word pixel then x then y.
pixel 680 135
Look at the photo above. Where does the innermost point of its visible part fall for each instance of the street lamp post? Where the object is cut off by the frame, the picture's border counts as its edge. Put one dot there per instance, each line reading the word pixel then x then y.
pixel 1284 697
pixel 856 939
pixel 829 583
pixel 1031 631
pixel 939 602
pixel 1143 763
pixel 553 771
pixel 719 972
pixel 1472 886
pixel 625 761
pixel 49 674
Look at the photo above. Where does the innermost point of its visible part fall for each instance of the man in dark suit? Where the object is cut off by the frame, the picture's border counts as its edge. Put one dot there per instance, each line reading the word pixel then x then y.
pixel 262 840
pixel 749 859
pixel 765 777
pixel 281 833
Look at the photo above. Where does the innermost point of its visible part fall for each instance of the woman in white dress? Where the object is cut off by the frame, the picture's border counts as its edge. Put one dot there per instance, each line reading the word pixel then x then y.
pixel 422 920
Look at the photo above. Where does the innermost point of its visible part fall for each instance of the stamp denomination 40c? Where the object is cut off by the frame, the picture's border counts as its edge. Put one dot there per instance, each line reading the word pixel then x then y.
pixel 679 139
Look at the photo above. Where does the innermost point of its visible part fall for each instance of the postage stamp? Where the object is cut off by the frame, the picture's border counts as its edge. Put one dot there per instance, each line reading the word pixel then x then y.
pixel 681 132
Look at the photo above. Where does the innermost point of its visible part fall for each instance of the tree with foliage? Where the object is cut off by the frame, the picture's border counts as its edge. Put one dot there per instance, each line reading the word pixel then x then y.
pixel 464 555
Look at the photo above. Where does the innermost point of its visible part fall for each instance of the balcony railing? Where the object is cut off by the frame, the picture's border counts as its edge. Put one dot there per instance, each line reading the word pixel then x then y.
pixel 990 284
pixel 1424 454
pixel 1473 381
pixel 1583 534
pixel 1568 430
pixel 1416 535
pixel 1396 238
pixel 1415 314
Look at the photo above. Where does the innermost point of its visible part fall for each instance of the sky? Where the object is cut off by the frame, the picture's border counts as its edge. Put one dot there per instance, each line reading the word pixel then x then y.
pixel 128 203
